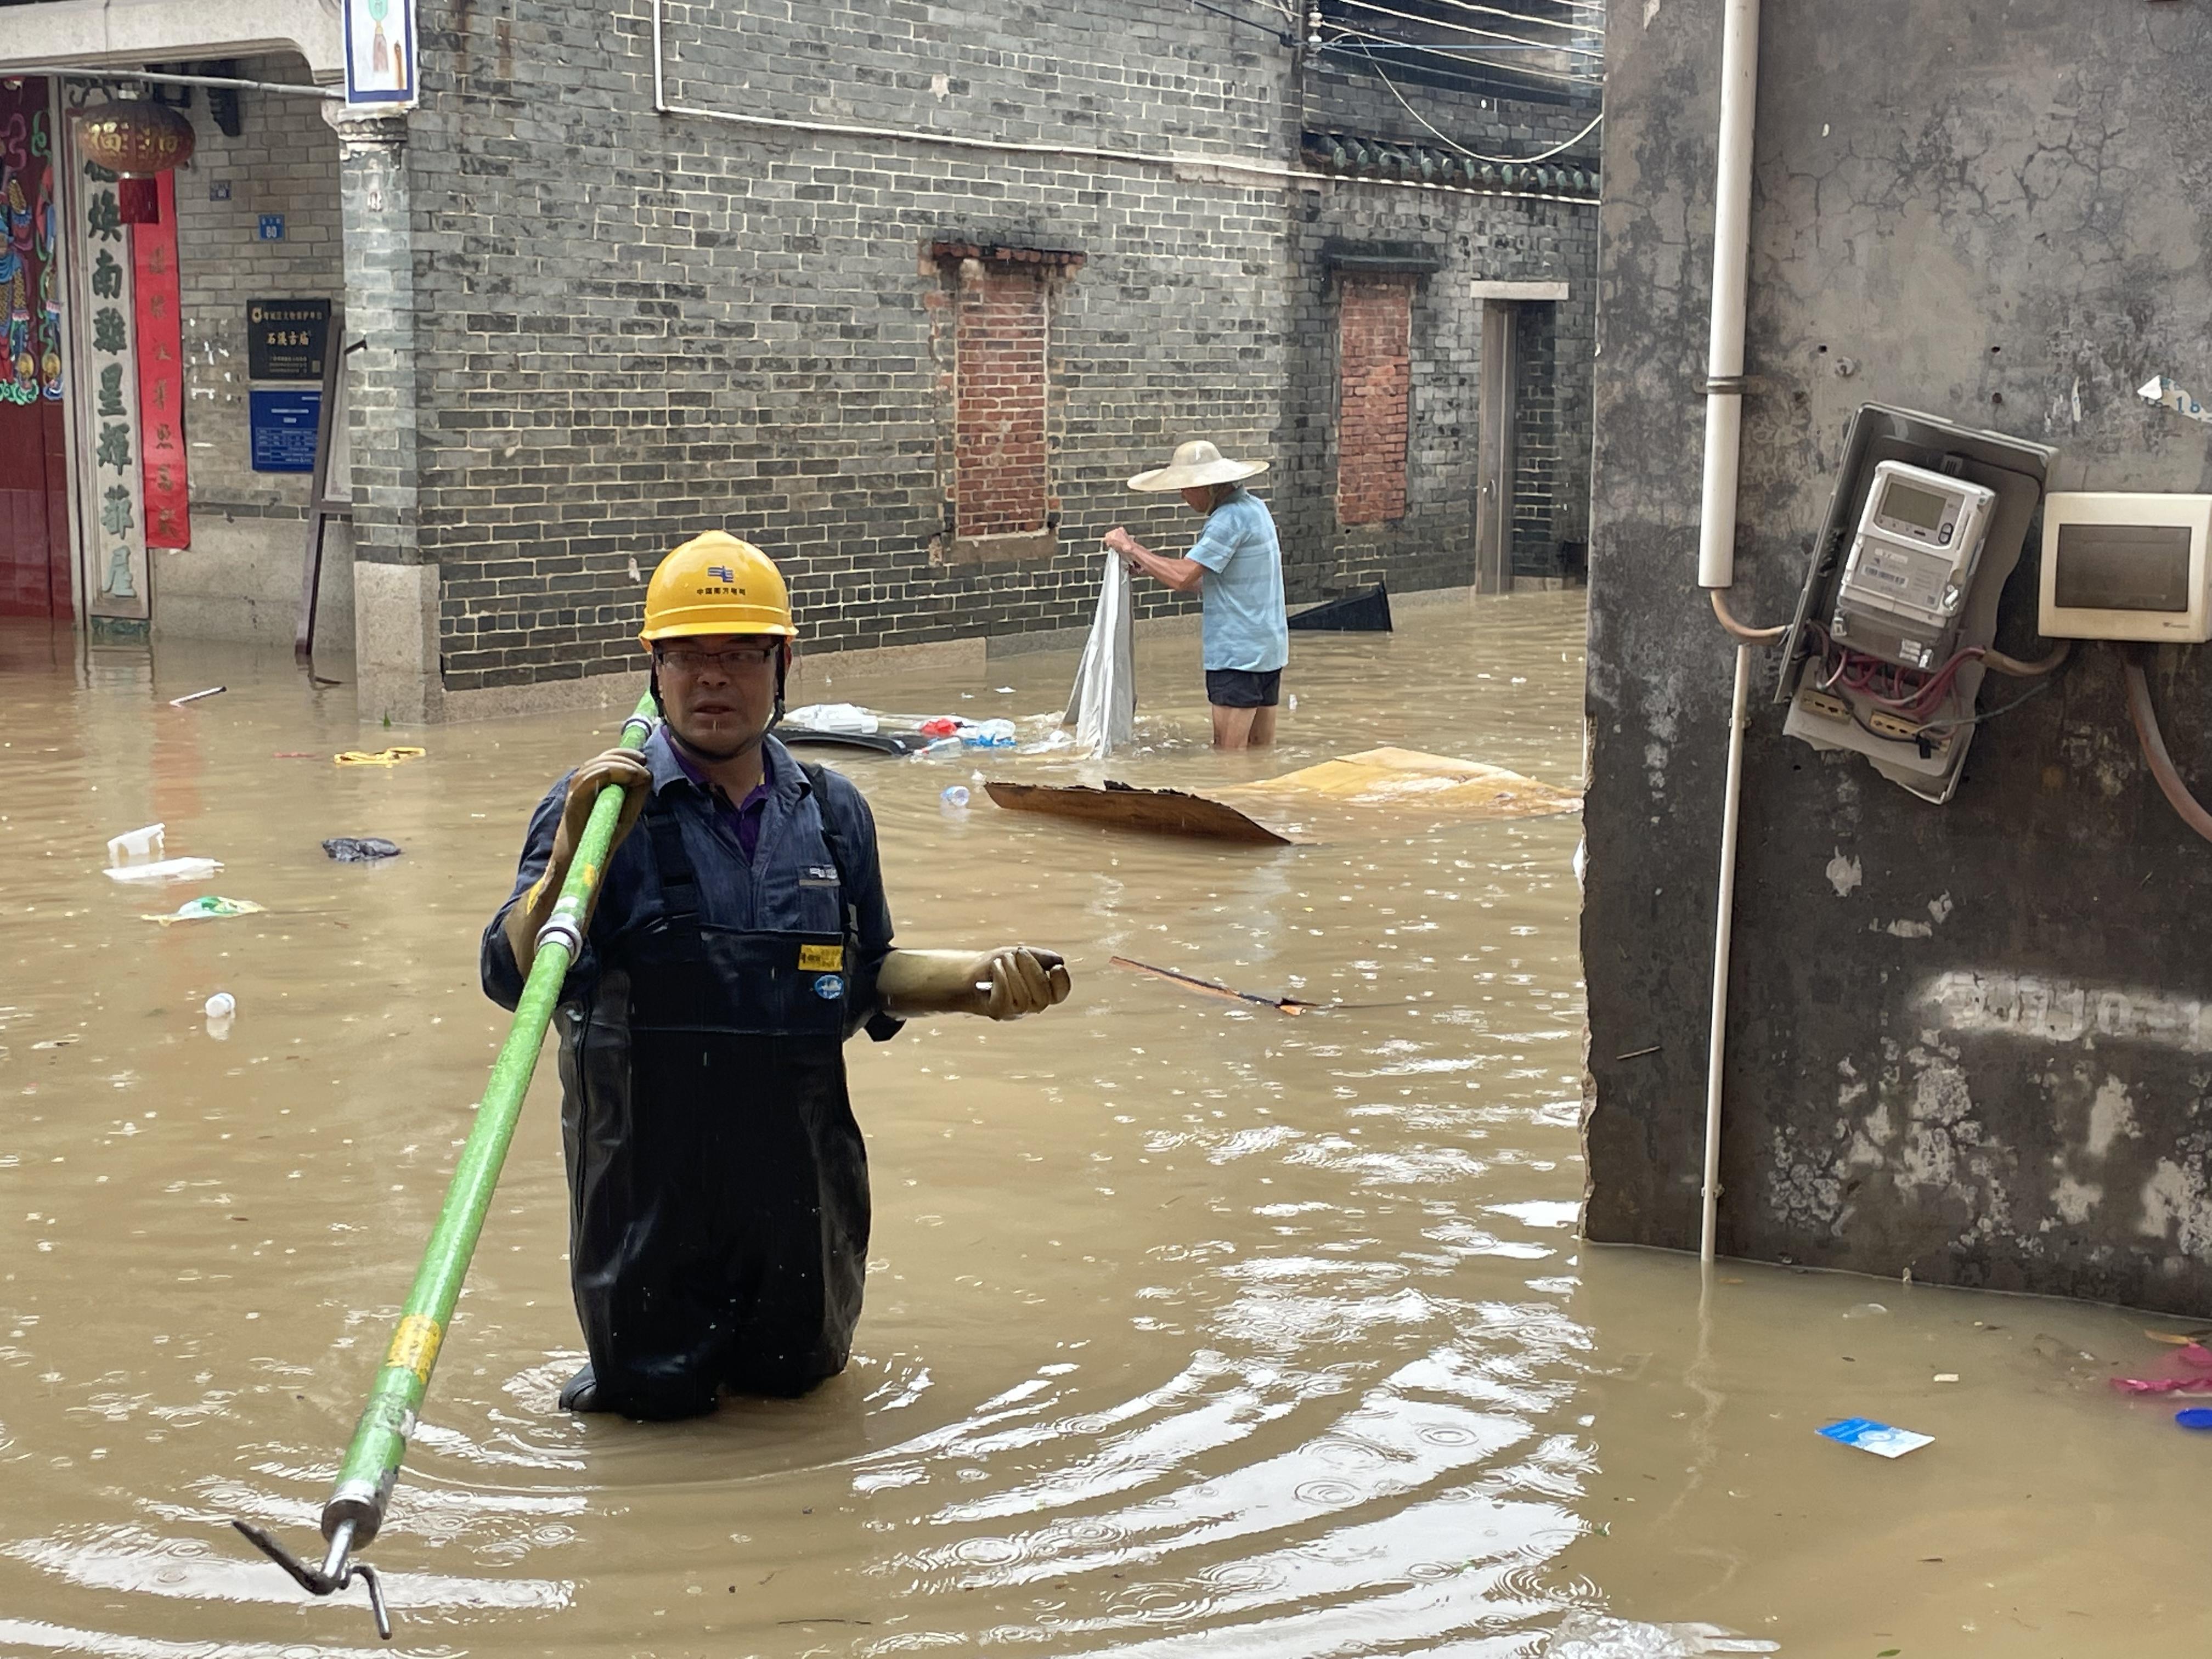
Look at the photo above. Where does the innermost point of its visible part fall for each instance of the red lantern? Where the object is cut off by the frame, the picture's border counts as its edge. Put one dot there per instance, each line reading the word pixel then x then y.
pixel 136 139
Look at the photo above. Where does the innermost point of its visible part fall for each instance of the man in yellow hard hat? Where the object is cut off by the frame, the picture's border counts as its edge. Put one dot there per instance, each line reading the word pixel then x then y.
pixel 719 1216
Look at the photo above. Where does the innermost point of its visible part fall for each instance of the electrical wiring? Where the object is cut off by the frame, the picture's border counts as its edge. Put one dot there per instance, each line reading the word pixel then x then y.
pixel 1919 739
pixel 1913 691
pixel 1512 17
pixel 1470 29
pixel 1368 42
pixel 1741 631
pixel 1504 161
pixel 2028 695
pixel 2169 780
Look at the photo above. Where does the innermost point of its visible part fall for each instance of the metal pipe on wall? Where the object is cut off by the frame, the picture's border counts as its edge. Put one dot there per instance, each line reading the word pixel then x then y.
pixel 1716 517
pixel 104 72
pixel 1731 282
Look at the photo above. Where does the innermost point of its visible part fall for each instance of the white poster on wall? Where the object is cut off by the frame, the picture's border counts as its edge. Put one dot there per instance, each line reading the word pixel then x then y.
pixel 379 54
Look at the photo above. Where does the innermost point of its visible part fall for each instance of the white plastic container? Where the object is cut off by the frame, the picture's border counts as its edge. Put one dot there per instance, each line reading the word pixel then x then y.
pixel 222 1005
pixel 164 870
pixel 137 846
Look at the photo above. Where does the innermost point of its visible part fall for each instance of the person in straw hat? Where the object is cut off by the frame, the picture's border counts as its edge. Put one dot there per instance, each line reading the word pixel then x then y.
pixel 1236 566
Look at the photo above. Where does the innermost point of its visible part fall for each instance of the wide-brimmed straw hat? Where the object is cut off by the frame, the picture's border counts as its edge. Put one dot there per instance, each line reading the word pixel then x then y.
pixel 1196 463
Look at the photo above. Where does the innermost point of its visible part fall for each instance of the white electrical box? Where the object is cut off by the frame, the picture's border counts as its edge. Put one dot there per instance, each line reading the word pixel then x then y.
pixel 2119 566
pixel 1903 592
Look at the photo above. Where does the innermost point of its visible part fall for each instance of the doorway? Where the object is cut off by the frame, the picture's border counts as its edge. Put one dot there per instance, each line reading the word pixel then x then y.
pixel 1494 459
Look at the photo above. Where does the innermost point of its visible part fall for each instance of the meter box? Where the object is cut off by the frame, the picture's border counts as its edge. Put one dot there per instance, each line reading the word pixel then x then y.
pixel 1902 595
pixel 1926 521
pixel 2120 566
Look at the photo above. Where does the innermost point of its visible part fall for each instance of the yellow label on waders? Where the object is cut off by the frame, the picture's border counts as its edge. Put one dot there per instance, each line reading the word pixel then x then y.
pixel 821 958
pixel 415 1345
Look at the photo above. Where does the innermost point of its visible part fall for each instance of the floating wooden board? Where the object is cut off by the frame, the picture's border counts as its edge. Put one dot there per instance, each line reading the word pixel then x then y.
pixel 1367 611
pixel 1119 806
pixel 1408 780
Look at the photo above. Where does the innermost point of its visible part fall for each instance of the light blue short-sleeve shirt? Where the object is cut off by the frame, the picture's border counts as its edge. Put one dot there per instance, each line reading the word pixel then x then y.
pixel 1246 626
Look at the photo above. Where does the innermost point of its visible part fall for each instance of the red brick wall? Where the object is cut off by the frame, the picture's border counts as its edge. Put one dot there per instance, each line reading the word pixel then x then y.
pixel 998 480
pixel 1374 348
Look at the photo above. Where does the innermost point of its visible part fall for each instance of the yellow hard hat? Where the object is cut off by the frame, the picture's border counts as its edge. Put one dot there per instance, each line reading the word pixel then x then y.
pixel 716 584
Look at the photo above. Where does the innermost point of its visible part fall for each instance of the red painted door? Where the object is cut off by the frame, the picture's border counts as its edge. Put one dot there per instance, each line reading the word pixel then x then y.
pixel 34 544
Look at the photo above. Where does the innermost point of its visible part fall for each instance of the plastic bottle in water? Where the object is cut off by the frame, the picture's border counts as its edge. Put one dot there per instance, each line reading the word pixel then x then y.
pixel 222 1005
pixel 954 800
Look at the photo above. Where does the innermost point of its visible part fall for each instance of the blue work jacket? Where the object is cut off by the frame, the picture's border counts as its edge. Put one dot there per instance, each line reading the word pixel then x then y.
pixel 786 887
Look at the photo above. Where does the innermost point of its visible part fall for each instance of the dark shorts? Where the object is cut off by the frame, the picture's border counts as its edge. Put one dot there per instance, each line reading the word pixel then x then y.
pixel 1242 688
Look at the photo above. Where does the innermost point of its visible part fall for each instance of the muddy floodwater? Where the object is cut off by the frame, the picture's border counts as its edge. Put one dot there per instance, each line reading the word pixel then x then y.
pixel 1192 1327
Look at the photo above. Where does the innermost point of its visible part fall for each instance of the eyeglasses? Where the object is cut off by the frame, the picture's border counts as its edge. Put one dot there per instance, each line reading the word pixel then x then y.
pixel 688 660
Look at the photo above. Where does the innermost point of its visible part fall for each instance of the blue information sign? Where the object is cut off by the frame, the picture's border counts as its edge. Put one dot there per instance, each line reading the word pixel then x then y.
pixel 284 425
pixel 272 226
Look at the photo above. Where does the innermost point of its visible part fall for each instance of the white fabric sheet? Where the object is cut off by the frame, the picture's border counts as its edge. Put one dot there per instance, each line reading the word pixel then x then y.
pixel 1102 707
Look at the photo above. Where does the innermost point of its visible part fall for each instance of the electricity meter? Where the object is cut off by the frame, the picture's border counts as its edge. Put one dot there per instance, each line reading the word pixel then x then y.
pixel 1903 592
pixel 2126 567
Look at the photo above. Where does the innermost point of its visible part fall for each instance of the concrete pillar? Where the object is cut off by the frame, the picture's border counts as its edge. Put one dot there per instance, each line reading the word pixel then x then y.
pixel 395 660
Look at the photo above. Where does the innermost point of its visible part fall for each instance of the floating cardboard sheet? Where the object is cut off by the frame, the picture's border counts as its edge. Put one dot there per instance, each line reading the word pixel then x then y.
pixel 1406 779
pixel 1397 781
pixel 1119 806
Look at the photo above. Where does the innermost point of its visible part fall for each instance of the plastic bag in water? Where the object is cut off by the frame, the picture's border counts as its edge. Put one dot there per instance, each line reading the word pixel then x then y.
pixel 360 849
pixel 1598 1636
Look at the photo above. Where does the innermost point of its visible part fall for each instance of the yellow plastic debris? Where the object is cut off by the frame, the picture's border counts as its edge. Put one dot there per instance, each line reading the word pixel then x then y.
pixel 1407 778
pixel 378 758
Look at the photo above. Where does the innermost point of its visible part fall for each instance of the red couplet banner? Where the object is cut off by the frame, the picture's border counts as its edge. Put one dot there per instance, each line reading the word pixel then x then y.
pixel 162 374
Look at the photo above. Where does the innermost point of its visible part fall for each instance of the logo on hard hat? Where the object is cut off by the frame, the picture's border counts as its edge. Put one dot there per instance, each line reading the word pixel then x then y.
pixel 721 573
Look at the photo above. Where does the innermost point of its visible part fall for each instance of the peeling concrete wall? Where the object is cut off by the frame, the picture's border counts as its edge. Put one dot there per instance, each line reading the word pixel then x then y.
pixel 1970 1040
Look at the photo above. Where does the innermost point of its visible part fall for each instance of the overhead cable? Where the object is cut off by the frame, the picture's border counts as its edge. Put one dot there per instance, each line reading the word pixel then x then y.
pixel 1512 17
pixel 1469 28
pixel 1454 50
pixel 1572 78
pixel 1505 161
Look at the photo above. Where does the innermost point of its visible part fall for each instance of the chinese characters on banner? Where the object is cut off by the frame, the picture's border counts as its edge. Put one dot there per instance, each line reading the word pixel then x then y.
pixel 161 374
pixel 111 502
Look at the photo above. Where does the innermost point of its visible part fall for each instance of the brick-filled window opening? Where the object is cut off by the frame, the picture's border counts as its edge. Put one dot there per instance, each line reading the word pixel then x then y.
pixel 998 472
pixel 1374 331
pixel 1000 323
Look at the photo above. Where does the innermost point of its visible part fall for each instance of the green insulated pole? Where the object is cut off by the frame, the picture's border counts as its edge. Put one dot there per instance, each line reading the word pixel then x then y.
pixel 356 1510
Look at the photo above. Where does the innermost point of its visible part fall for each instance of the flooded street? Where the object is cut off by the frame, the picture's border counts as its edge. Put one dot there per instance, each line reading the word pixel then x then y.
pixel 1191 1327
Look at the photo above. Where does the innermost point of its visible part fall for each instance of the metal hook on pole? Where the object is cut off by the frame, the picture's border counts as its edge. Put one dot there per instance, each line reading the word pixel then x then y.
pixel 335 1573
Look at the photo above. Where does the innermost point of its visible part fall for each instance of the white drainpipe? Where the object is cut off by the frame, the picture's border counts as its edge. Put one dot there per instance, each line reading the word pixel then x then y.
pixel 1717 518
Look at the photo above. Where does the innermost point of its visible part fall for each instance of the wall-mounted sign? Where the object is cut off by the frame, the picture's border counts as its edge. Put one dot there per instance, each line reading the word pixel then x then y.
pixel 105 468
pixel 285 339
pixel 272 226
pixel 380 53
pixel 284 425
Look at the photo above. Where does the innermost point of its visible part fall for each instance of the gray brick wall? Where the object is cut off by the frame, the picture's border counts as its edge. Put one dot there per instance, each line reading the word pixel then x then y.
pixel 630 327
pixel 285 160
